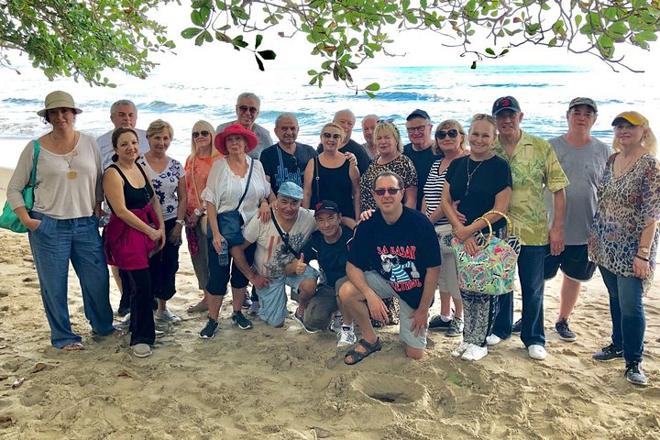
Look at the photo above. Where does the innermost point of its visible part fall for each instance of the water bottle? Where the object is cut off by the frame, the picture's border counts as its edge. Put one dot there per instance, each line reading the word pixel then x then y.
pixel 223 256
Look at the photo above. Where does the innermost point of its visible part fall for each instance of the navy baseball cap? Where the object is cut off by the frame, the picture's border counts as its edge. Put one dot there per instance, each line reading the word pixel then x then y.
pixel 326 206
pixel 418 114
pixel 505 103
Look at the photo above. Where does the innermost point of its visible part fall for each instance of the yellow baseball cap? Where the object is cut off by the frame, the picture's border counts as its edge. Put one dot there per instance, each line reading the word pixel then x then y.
pixel 633 118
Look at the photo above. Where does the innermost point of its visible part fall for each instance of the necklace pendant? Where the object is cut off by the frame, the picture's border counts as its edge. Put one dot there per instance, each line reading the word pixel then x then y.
pixel 71 174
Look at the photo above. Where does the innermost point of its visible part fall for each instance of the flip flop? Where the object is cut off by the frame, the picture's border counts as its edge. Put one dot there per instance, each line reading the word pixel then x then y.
pixel 74 346
pixel 357 356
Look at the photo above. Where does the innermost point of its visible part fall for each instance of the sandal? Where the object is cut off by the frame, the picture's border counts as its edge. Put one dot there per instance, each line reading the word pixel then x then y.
pixel 357 356
pixel 198 308
pixel 74 346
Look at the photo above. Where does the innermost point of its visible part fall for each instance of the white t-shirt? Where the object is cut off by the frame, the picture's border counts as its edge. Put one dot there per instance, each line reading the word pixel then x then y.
pixel 55 194
pixel 224 188
pixel 105 145
pixel 271 255
pixel 165 185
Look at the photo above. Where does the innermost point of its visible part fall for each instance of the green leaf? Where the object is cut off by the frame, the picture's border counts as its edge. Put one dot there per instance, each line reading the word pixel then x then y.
pixel 259 63
pixel 373 87
pixel 258 41
pixel 267 54
pixel 190 32
pixel 490 51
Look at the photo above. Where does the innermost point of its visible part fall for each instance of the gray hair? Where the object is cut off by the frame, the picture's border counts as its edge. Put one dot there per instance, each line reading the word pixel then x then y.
pixel 346 110
pixel 285 115
pixel 249 95
pixel 113 107
pixel 370 116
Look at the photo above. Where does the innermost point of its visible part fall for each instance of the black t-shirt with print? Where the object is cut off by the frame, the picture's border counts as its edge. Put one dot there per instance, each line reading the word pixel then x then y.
pixel 401 253
pixel 492 176
pixel 291 168
pixel 331 256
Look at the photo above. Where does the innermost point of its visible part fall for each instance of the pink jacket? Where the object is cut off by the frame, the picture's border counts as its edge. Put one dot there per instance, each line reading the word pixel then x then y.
pixel 126 247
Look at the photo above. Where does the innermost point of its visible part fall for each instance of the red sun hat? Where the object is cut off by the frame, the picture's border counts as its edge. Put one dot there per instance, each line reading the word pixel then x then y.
pixel 249 136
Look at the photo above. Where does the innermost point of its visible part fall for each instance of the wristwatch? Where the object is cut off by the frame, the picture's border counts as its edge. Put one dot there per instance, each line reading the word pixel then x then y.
pixel 181 222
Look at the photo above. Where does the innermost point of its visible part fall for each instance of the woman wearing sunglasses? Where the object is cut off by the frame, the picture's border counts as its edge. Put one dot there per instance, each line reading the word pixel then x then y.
pixel 480 182
pixel 332 176
pixel 198 165
pixel 390 158
pixel 450 140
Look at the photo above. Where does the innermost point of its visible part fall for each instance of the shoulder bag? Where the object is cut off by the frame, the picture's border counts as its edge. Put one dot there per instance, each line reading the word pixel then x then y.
pixel 230 222
pixel 284 236
pixel 492 270
pixel 9 219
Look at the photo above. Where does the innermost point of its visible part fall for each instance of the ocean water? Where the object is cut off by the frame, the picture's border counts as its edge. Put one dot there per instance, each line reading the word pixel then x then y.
pixel 446 92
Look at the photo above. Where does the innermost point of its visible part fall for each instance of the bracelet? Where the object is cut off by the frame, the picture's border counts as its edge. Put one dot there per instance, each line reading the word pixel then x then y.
pixel 642 258
pixel 180 222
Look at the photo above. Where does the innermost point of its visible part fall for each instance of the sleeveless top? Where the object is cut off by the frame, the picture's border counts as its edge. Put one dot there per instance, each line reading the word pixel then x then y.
pixel 333 184
pixel 135 198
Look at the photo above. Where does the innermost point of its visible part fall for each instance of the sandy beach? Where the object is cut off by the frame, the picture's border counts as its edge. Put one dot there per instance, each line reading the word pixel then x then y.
pixel 271 383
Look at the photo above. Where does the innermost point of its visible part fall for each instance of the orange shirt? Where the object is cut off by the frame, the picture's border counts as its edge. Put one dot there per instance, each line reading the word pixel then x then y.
pixel 197 172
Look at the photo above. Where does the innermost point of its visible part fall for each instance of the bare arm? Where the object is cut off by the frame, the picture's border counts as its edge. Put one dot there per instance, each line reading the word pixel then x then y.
pixel 556 233
pixel 308 177
pixel 182 196
pixel 421 314
pixel 354 174
pixel 238 254
pixel 411 197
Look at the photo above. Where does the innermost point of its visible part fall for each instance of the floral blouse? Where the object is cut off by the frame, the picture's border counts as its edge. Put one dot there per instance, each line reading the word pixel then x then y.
pixel 625 205
pixel 166 185
pixel 402 165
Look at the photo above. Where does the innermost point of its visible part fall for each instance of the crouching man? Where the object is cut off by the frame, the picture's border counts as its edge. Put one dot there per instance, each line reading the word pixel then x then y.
pixel 394 253
pixel 277 259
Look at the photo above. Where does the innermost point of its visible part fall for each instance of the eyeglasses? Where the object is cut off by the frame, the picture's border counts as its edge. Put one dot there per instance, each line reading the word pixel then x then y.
pixel 452 133
pixel 245 108
pixel 331 135
pixel 197 134
pixel 419 128
pixel 385 121
pixel 391 191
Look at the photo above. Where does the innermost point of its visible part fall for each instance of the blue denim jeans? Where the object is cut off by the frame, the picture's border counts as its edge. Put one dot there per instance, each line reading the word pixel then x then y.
pixel 530 274
pixel 54 244
pixel 627 311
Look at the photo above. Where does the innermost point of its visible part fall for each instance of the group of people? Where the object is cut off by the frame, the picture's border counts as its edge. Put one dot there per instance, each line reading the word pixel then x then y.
pixel 377 217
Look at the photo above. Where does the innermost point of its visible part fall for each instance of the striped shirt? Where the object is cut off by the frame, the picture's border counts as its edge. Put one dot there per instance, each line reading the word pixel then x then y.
pixel 433 190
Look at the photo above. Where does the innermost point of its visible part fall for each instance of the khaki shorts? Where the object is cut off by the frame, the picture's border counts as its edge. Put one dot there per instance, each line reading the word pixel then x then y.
pixel 448 280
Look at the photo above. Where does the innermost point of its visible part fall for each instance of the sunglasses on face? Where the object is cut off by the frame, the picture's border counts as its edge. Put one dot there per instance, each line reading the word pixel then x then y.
pixel 391 191
pixel 332 135
pixel 452 133
pixel 245 108
pixel 197 134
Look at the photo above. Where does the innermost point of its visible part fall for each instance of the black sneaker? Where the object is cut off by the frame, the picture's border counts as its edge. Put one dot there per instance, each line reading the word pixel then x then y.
pixel 635 375
pixel 241 321
pixel 608 353
pixel 565 333
pixel 437 323
pixel 209 330
pixel 517 327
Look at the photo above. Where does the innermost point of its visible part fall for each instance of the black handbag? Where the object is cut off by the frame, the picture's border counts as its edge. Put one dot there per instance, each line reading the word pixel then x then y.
pixel 230 222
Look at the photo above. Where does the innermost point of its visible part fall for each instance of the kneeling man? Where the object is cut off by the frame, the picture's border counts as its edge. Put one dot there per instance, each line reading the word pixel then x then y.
pixel 277 257
pixel 394 253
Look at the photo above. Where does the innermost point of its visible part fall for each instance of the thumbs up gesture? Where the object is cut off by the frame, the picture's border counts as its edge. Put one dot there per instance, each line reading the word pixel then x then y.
pixel 300 265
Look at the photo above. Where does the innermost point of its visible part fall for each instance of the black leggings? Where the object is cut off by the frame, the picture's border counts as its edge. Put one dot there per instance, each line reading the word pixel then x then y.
pixel 164 266
pixel 137 285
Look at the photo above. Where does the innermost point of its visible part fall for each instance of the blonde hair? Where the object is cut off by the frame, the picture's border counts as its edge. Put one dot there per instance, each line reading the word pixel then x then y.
pixel 159 125
pixel 649 141
pixel 337 126
pixel 449 123
pixel 389 126
pixel 203 125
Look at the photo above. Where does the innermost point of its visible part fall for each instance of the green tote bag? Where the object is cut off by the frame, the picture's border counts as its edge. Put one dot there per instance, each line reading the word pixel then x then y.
pixel 8 219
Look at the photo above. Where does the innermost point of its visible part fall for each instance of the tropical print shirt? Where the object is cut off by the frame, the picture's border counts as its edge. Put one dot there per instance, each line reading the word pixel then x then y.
pixel 534 166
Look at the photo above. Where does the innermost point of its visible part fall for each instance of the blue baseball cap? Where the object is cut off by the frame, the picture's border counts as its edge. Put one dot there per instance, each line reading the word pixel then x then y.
pixel 290 190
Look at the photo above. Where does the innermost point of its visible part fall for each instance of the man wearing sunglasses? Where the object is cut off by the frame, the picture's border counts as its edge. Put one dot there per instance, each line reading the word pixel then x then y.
pixel 394 253
pixel 346 120
pixel 247 110
pixel 583 158
pixel 286 160
pixel 419 150
pixel 535 168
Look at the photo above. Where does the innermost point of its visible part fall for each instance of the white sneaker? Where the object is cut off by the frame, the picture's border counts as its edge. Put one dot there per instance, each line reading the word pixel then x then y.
pixel 336 323
pixel 474 353
pixel 125 323
pixel 254 308
pixel 537 352
pixel 346 337
pixel 167 316
pixel 141 350
pixel 493 340
pixel 460 349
